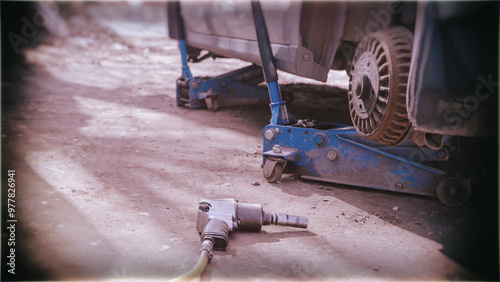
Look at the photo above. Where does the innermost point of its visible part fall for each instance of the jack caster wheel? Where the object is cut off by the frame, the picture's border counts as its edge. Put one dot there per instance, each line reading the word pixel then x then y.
pixel 273 170
pixel 212 104
pixel 454 191
pixel 182 91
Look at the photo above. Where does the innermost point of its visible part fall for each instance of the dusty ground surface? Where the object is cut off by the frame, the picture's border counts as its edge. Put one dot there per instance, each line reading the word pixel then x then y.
pixel 109 172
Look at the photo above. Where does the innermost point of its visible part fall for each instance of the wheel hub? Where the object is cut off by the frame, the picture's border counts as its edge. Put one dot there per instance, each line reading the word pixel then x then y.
pixel 365 86
pixel 454 190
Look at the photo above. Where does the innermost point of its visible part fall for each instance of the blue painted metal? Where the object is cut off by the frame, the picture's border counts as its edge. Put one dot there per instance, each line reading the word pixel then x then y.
pixel 279 112
pixel 186 72
pixel 339 154
pixel 236 88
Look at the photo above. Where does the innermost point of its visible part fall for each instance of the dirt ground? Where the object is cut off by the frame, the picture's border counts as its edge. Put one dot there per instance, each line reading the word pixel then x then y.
pixel 109 172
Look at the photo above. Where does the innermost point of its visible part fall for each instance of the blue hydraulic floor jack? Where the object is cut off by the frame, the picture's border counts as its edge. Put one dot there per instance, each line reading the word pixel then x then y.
pixel 326 151
pixel 338 153
pixel 237 88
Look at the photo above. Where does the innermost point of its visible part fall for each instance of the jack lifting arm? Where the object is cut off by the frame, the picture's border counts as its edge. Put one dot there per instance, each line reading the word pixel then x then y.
pixel 280 114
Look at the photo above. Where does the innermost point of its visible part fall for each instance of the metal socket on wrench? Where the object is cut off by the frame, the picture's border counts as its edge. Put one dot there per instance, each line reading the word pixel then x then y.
pixel 286 220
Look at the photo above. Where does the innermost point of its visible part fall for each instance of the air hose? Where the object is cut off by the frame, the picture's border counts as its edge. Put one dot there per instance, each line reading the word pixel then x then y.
pixel 199 267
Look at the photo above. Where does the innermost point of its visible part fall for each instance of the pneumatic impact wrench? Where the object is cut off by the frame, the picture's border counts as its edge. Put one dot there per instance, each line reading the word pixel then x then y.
pixel 216 218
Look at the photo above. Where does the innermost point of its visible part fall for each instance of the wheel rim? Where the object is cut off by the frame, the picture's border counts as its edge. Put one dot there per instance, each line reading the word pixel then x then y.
pixel 377 86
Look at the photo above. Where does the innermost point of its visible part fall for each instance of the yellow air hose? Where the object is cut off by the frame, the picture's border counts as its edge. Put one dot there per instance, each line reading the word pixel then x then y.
pixel 199 267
